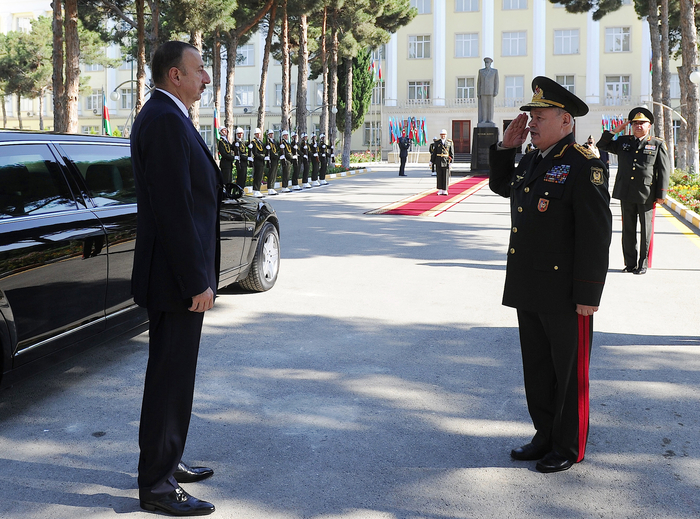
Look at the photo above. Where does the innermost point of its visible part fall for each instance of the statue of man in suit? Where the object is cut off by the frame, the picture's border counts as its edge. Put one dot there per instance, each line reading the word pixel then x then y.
pixel 486 91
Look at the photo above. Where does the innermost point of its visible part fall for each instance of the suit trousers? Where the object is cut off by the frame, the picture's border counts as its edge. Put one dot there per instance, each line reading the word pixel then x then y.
pixel 258 170
pixel 402 167
pixel 167 398
pixel 630 214
pixel 556 351
pixel 443 176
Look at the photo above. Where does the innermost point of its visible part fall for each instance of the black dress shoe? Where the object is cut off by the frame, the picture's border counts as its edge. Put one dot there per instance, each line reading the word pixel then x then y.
pixel 180 503
pixel 529 452
pixel 553 462
pixel 185 474
pixel 629 269
pixel 641 270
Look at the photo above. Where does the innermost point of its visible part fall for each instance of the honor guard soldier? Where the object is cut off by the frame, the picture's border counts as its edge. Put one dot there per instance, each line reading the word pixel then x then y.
pixel 323 159
pixel 643 172
pixel 285 161
pixel 304 158
pixel 226 156
pixel 240 151
pixel 431 150
pixel 557 262
pixel 444 154
pixel 296 162
pixel 331 154
pixel 313 158
pixel 258 156
pixel 273 159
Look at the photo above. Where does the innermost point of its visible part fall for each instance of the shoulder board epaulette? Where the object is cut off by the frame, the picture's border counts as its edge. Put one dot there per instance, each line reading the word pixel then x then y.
pixel 585 151
pixel 561 153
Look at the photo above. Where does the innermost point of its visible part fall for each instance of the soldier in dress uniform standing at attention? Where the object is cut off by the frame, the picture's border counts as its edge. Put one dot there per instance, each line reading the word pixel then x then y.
pixel 643 172
pixel 258 156
pixel 323 159
pixel 557 262
pixel 286 161
pixel 431 150
pixel 296 162
pixel 305 151
pixel 241 158
pixel 442 156
pixel 226 155
pixel 313 158
pixel 273 159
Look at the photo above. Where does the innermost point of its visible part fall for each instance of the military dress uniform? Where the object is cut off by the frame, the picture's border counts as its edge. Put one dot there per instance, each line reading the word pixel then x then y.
pixel 431 150
pixel 304 158
pixel 296 163
pixel 313 159
pixel 257 155
pixel 642 176
pixel 273 159
pixel 561 227
pixel 323 159
pixel 227 158
pixel 444 154
pixel 286 162
pixel 240 150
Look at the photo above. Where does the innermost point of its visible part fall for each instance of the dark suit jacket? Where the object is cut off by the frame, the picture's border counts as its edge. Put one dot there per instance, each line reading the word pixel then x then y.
pixel 404 146
pixel 561 226
pixel 643 171
pixel 228 155
pixel 178 189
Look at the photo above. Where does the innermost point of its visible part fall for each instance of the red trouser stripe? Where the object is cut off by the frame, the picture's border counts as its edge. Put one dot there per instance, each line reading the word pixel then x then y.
pixel 584 340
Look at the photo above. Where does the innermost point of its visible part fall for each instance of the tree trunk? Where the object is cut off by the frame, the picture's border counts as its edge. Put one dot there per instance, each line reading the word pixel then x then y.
pixel 59 90
pixel 347 134
pixel 682 146
pixel 303 77
pixel 140 58
pixel 19 112
pixel 196 40
pixel 265 65
pixel 286 69
pixel 72 66
pixel 230 96
pixel 154 35
pixel 333 101
pixel 656 94
pixel 689 50
pixel 324 70
pixel 666 81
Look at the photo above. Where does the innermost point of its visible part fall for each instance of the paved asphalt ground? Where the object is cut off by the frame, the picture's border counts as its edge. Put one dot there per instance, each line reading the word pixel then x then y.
pixel 381 379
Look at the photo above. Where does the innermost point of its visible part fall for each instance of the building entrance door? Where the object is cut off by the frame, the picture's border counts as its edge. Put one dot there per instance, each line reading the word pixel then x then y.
pixel 461 136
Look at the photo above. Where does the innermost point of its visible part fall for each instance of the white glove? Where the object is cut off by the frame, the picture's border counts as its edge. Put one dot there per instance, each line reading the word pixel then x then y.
pixel 306 157
pixel 268 146
pixel 236 144
pixel 267 158
pixel 250 159
pixel 250 145
pixel 282 157
pixel 295 157
pixel 315 154
pixel 236 158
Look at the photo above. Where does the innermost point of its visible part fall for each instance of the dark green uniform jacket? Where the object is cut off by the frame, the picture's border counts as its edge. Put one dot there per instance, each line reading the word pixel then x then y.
pixel 561 226
pixel 643 168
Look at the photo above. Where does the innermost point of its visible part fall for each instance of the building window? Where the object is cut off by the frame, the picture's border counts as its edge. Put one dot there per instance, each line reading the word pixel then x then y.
pixel 246 55
pixel 94 101
pixel 423 6
pixel 567 82
pixel 245 95
pixel 94 67
pixel 617 39
pixel 24 24
pixel 514 90
pixel 206 133
pixel 319 94
pixel 419 91
pixel 128 65
pixel 207 98
pixel 372 135
pixel 467 45
pixel 466 88
pixel 617 90
pixel 566 41
pixel 462 6
pixel 127 97
pixel 378 93
pixel 418 47
pixel 514 4
pixel 90 130
pixel 675 87
pixel 278 93
pixel 514 44
pixel 379 53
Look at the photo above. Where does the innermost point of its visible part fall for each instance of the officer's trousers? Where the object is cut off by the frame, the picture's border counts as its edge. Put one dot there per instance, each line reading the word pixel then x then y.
pixel 443 176
pixel 630 214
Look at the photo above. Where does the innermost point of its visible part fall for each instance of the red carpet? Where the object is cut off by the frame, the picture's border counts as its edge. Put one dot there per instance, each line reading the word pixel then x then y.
pixel 429 203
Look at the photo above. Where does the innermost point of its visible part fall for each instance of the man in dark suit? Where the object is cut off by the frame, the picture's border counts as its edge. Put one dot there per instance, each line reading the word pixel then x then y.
pixel 227 156
pixel 176 261
pixel 443 155
pixel 404 147
pixel 643 172
pixel 557 262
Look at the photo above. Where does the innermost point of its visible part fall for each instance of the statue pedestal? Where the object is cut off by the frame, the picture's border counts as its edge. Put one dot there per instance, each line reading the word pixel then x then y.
pixel 483 137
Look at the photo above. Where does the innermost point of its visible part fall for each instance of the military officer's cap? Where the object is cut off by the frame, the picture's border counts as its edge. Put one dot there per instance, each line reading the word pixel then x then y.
pixel 294 134
pixel 443 132
pixel 239 130
pixel 270 131
pixel 285 132
pixel 258 130
pixel 303 134
pixel 547 93
pixel 322 135
pixel 640 114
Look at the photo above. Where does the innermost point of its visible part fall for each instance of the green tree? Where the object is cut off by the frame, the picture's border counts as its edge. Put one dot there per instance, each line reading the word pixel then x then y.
pixel 362 86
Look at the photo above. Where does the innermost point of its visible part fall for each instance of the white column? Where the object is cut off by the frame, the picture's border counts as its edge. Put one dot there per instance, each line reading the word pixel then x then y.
pixel 487 30
pixel 539 33
pixel 645 83
pixel 391 71
pixel 592 61
pixel 439 50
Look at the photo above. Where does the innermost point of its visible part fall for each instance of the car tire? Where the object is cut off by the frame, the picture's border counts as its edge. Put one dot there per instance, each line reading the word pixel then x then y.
pixel 266 262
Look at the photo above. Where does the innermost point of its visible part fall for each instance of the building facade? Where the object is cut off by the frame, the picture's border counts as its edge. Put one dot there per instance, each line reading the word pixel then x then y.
pixel 429 71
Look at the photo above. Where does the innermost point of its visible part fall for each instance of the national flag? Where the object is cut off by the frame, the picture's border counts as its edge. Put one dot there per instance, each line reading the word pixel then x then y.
pixel 217 134
pixel 106 124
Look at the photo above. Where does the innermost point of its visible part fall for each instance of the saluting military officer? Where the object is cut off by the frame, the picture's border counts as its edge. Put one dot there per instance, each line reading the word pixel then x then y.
pixel 561 227
pixel 642 179
pixel 241 158
pixel 285 160
pixel 226 156
pixel 258 156
pixel 443 155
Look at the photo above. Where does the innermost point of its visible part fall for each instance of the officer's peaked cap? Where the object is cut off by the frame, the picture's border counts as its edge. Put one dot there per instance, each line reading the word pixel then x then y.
pixel 547 93
pixel 640 114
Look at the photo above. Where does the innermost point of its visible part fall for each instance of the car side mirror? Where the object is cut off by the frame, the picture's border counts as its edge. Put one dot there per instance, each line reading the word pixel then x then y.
pixel 233 191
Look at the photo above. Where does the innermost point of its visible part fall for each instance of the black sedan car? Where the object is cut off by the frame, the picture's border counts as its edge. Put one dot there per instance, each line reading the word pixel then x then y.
pixel 67 234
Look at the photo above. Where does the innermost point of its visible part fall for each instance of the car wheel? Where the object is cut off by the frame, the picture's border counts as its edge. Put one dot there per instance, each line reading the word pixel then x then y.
pixel 266 262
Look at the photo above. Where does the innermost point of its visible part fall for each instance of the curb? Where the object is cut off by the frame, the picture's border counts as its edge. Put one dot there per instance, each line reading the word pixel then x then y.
pixel 248 189
pixel 691 216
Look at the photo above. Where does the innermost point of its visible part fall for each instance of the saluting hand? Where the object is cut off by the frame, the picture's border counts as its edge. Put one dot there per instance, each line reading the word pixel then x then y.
pixel 203 301
pixel 516 133
pixel 620 126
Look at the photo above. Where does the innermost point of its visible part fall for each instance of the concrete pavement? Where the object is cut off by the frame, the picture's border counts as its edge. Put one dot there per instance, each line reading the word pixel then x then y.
pixel 381 379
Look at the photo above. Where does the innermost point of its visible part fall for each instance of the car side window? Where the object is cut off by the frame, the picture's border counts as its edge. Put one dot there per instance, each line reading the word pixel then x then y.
pixel 31 182
pixel 106 171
